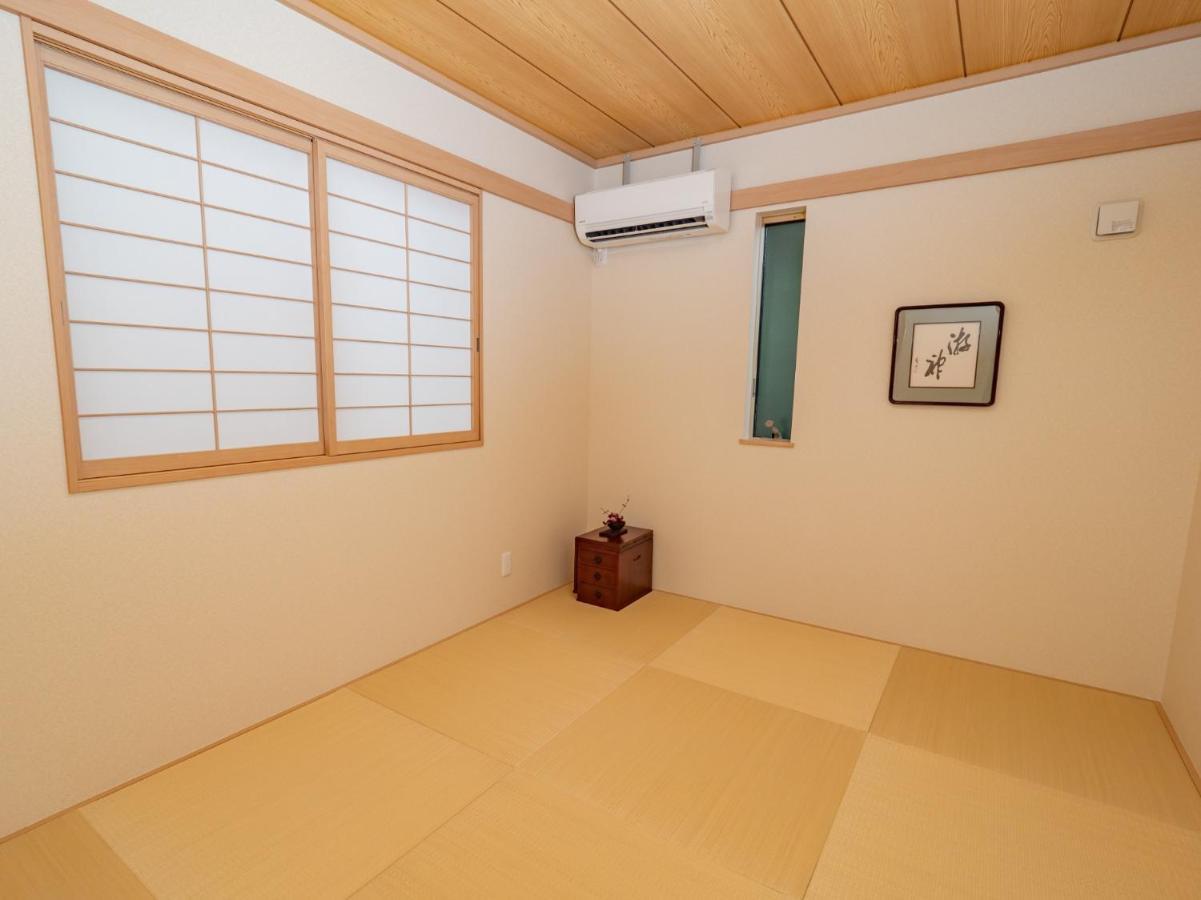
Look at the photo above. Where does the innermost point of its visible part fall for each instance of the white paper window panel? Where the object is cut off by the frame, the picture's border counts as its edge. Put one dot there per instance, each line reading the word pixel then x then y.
pixel 142 392
pixel 436 239
pixel 117 436
pixel 441 390
pixel 264 429
pixel 108 159
pixel 238 390
pixel 262 315
pixel 371 390
pixel 438 271
pixel 436 301
pixel 118 347
pixel 119 256
pixel 246 193
pixel 239 150
pixel 369 324
pixel 366 256
pixel 367 290
pixel 441 361
pixel 234 231
pixel 366 221
pixel 231 272
pixel 437 208
pixel 120 209
pixel 114 112
pixel 450 332
pixel 357 357
pixel 255 353
pixel 434 419
pixel 107 300
pixel 360 424
pixel 369 187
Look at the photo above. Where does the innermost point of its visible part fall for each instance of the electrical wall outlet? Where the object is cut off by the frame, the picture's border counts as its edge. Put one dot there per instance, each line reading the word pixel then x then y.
pixel 506 564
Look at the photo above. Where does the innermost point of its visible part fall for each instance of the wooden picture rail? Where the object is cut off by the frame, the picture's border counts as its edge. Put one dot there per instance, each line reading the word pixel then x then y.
pixel 1060 148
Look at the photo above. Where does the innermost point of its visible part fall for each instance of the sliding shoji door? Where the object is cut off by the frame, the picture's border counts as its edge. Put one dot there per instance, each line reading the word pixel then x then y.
pixel 187 254
pixel 404 305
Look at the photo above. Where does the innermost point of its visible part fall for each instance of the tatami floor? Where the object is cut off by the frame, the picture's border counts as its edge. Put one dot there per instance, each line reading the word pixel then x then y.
pixel 675 749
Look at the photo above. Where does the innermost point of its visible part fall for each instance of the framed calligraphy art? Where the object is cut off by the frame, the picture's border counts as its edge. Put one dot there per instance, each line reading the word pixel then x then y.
pixel 946 354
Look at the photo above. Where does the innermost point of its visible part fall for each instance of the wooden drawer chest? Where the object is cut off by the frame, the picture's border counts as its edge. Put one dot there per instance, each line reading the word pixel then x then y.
pixel 613 572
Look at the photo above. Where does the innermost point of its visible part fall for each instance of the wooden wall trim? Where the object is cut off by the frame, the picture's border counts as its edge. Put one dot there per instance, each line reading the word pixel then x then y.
pixel 1060 148
pixel 1034 67
pixel 110 31
pixel 364 39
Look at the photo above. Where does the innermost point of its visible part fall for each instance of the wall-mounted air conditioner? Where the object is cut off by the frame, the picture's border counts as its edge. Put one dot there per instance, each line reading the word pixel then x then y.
pixel 690 205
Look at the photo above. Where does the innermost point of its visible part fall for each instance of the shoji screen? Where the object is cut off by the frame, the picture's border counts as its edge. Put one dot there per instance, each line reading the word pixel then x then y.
pixel 187 256
pixel 403 306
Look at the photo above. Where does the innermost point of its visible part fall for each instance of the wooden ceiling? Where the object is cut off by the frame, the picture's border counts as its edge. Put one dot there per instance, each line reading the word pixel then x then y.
pixel 614 76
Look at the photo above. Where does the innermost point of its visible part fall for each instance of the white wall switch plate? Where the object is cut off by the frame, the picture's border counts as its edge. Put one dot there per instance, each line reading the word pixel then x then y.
pixel 506 564
pixel 1117 219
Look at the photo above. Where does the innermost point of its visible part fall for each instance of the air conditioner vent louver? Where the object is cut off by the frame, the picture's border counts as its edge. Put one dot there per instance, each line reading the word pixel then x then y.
pixel 689 205
pixel 609 234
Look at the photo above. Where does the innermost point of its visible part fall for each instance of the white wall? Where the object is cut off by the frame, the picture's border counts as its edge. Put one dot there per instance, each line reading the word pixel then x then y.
pixel 1046 533
pixel 1143 84
pixel 1182 686
pixel 137 625
pixel 278 42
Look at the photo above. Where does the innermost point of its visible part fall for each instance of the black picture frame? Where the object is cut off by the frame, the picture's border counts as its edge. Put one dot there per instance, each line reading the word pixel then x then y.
pixel 990 315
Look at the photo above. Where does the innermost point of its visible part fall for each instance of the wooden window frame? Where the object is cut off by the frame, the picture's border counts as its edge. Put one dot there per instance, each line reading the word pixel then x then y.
pixel 762 220
pixel 47 48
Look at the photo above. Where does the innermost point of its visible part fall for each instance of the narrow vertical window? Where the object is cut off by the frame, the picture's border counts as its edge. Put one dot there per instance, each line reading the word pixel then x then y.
pixel 776 343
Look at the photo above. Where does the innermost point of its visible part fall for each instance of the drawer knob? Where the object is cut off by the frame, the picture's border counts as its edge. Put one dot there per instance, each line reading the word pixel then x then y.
pixel 598 594
pixel 596 576
pixel 598 559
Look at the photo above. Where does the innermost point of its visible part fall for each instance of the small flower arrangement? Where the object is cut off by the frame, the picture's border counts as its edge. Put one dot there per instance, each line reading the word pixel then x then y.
pixel 614 520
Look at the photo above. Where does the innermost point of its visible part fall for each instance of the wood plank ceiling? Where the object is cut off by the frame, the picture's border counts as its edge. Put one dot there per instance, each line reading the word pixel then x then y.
pixel 614 76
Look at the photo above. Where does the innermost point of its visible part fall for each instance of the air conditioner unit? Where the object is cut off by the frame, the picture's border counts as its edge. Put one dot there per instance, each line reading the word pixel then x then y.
pixel 690 205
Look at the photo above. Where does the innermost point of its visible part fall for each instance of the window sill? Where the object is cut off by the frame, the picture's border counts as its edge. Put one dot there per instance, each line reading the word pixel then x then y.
pixel 765 442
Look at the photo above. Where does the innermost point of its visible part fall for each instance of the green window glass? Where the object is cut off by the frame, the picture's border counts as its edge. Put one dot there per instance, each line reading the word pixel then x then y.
pixel 779 311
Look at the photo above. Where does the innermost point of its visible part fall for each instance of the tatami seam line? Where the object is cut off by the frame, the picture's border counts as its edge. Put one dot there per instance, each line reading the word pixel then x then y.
pixel 1116 808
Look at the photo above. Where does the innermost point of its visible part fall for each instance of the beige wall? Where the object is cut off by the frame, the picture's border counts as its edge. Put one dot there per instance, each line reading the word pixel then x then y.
pixel 1046 533
pixel 1182 686
pixel 139 624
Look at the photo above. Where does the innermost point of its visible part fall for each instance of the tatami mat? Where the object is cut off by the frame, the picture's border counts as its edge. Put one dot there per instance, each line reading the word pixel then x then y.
pixel 526 841
pixel 673 749
pixel 65 858
pixel 500 688
pixel 639 632
pixel 826 674
pixel 747 784
pixel 1108 747
pixel 915 824
pixel 313 804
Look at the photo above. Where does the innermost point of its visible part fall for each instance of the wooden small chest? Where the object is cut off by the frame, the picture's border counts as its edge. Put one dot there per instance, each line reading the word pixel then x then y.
pixel 613 572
